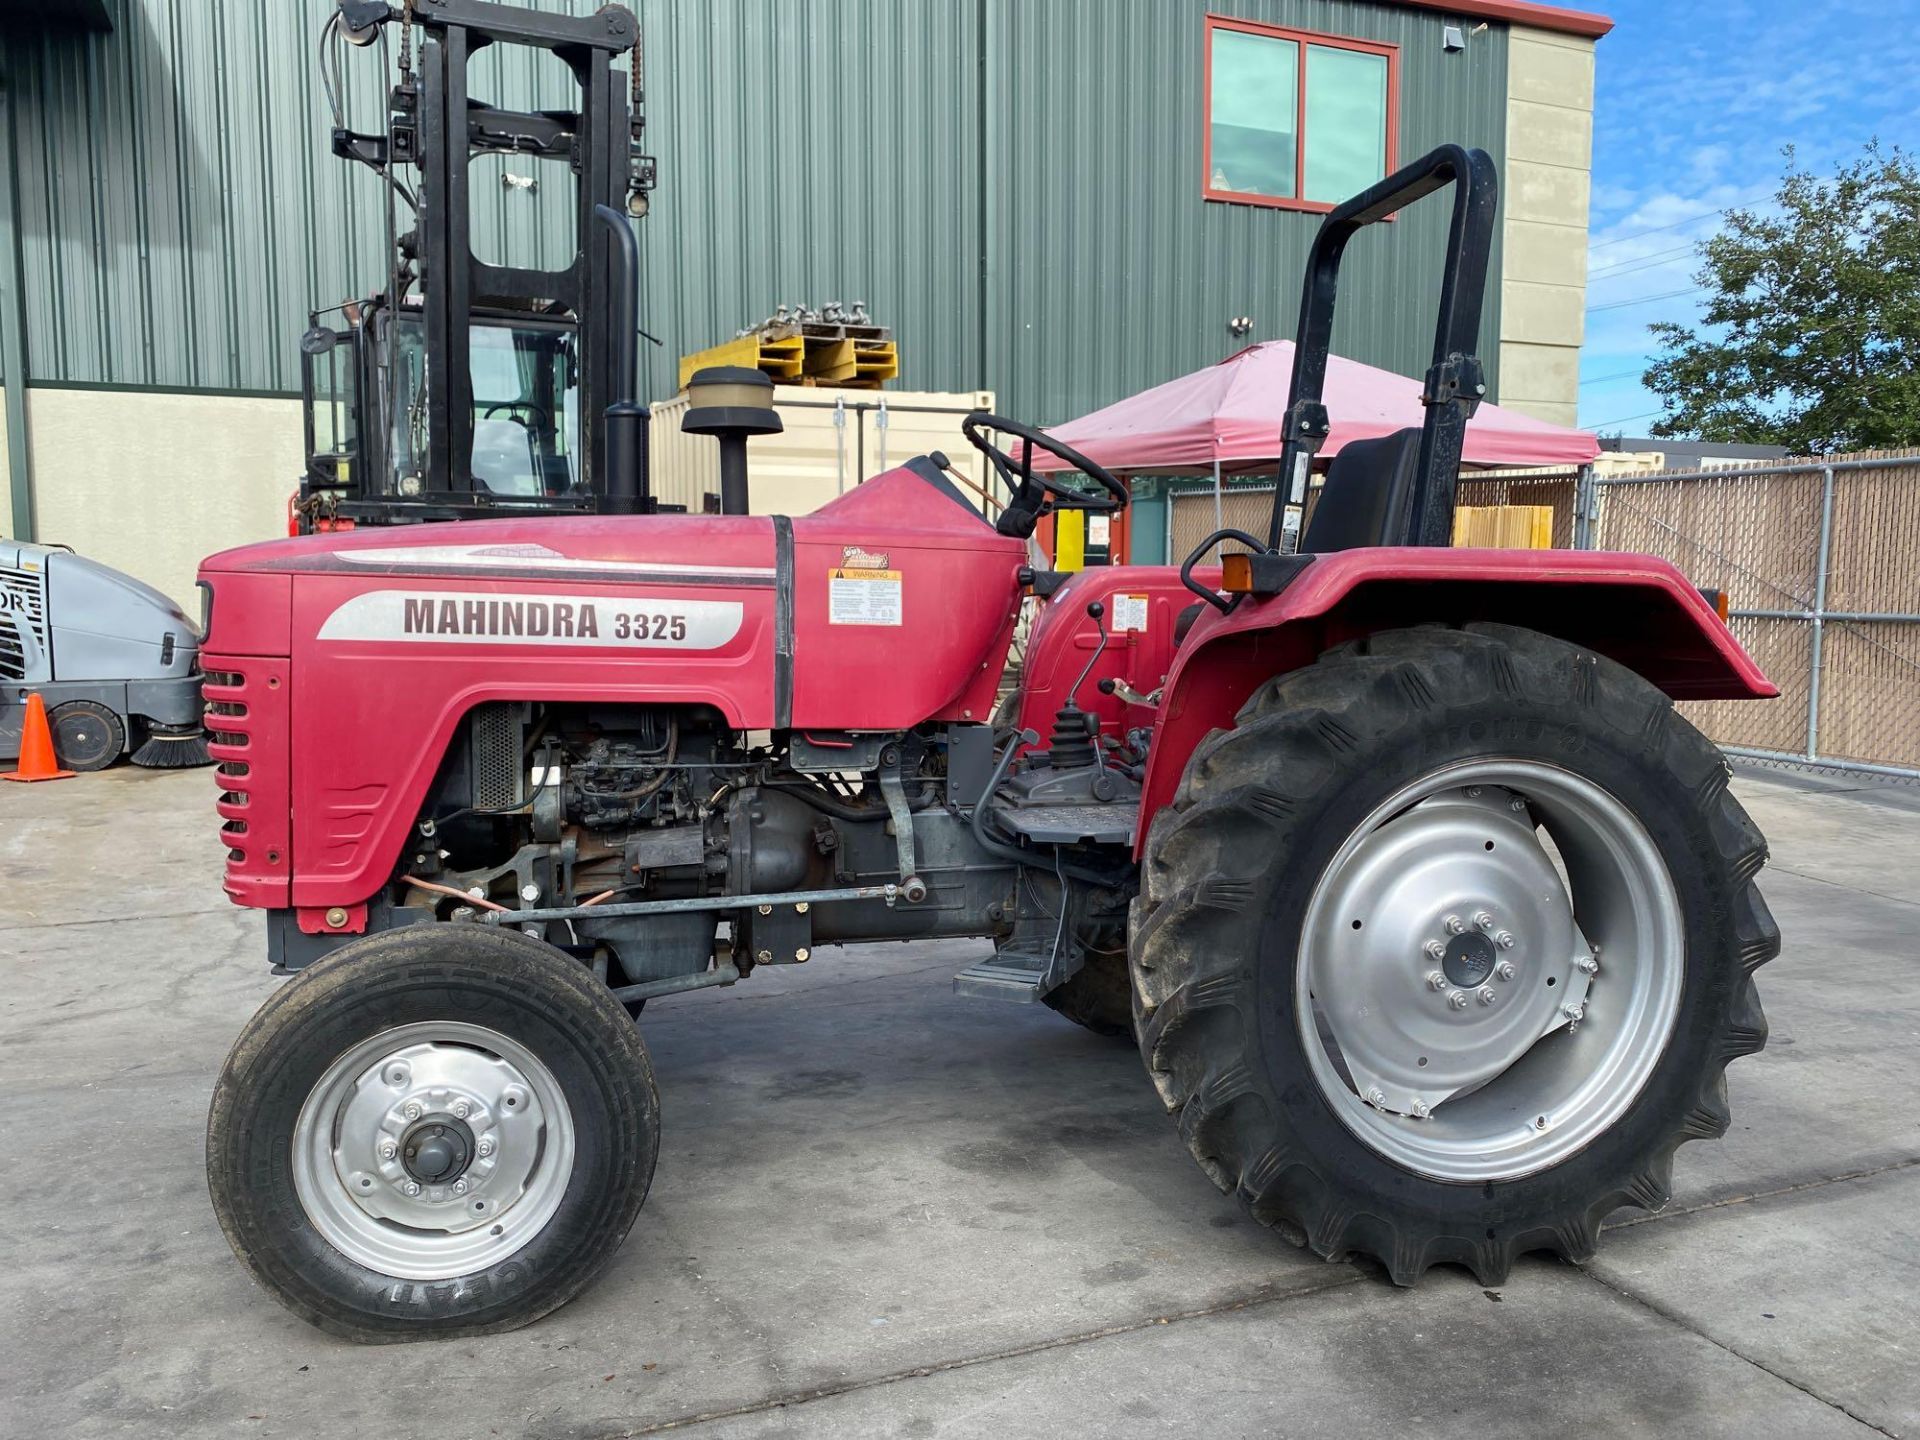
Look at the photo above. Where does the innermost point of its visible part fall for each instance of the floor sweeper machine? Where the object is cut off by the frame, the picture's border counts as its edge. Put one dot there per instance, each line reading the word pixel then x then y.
pixel 114 662
pixel 1434 924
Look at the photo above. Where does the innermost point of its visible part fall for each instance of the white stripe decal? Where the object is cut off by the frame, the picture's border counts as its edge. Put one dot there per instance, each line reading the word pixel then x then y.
pixel 531 557
pixel 468 617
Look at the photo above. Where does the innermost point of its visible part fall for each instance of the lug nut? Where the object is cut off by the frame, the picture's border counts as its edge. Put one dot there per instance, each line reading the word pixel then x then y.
pixel 1587 965
pixel 460 1186
pixel 1435 980
pixel 1482 919
pixel 529 893
pixel 1516 804
pixel 388 1149
pixel 1455 925
pixel 1421 1110
pixel 1503 938
pixel 1457 999
pixel 411 1110
pixel 486 1146
pixel 1504 970
pixel 1473 792
pixel 412 1187
pixel 1485 995
pixel 461 1109
pixel 1376 1099
pixel 1434 950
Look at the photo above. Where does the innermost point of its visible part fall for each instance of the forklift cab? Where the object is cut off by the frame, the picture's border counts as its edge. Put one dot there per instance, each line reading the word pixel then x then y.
pixel 366 419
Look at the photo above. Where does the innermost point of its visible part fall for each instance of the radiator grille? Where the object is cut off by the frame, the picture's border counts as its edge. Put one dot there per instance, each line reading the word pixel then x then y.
pixel 496 757
pixel 223 690
pixel 23 624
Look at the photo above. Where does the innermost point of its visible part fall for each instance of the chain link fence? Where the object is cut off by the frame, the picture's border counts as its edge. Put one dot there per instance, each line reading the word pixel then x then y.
pixel 1821 565
pixel 1820 561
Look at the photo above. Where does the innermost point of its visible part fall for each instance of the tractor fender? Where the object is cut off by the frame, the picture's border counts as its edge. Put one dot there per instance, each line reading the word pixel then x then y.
pixel 1638 610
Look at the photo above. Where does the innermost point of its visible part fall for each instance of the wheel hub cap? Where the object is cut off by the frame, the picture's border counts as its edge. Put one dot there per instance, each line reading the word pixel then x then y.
pixel 1448 982
pixel 438 1150
pixel 1445 876
pixel 433 1150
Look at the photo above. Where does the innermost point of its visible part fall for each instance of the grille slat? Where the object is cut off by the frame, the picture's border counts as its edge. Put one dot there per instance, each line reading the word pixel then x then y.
pixel 23 623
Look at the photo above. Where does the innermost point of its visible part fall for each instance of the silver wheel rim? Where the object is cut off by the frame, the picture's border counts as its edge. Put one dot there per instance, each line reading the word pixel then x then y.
pixel 1470 1008
pixel 433 1150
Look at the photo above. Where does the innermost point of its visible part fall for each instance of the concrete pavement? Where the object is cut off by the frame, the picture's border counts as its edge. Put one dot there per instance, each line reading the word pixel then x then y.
pixel 881 1210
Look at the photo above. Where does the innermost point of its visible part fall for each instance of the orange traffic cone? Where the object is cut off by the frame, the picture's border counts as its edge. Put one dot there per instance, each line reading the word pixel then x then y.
pixel 36 747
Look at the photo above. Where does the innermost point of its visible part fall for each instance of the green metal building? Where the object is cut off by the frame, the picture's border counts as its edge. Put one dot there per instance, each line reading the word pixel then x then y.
pixel 1061 201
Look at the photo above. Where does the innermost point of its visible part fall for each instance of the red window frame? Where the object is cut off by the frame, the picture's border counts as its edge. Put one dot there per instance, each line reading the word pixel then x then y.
pixel 1302 39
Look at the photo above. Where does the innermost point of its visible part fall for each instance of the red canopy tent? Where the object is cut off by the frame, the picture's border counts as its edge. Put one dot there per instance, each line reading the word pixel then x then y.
pixel 1226 418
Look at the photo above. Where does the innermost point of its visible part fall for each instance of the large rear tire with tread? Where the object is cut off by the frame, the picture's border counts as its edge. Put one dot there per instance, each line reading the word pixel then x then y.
pixel 438 1131
pixel 1243 1005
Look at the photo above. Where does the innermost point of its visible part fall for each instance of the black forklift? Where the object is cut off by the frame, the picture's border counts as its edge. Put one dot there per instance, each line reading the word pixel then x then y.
pixel 462 388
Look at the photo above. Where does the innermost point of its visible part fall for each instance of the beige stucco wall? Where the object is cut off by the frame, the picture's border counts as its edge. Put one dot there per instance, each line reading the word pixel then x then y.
pixel 6 458
pixel 1543 292
pixel 150 483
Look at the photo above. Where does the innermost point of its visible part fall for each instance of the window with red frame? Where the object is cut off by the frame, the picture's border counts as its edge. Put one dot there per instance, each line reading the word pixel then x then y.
pixel 1295 119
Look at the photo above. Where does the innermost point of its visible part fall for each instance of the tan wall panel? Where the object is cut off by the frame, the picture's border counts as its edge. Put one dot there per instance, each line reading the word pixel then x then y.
pixel 1544 199
pixel 1553 193
pixel 1538 373
pixel 6 459
pixel 150 483
pixel 1544 254
pixel 1542 314
pixel 1549 68
pixel 1551 134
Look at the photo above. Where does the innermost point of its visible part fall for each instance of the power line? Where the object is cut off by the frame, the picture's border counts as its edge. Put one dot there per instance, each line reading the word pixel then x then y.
pixel 1675 225
pixel 1643 262
pixel 1646 299
pixel 1617 375
pixel 1643 415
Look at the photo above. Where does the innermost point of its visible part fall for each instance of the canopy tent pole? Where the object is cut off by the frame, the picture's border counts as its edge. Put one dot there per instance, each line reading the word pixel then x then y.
pixel 1219 516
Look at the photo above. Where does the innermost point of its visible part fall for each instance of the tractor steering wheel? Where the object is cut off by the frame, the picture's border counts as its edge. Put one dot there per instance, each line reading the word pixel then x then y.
pixel 1028 487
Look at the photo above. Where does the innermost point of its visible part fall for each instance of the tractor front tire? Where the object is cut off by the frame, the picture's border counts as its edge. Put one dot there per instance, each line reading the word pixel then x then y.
pixel 1443 949
pixel 438 1131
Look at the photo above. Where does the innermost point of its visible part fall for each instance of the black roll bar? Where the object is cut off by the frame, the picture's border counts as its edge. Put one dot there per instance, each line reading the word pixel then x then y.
pixel 1455 382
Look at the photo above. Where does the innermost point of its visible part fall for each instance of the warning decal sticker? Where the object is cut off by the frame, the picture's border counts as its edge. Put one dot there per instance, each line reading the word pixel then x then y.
pixel 863 597
pixel 1129 613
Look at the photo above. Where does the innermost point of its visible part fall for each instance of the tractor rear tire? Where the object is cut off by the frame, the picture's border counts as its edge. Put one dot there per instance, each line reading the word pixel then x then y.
pixel 438 1131
pixel 1288 1039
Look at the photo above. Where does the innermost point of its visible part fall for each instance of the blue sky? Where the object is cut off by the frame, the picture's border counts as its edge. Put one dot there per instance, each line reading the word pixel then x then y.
pixel 1693 103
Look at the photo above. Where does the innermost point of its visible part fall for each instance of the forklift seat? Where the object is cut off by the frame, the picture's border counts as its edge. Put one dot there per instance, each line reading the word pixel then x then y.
pixel 1367 498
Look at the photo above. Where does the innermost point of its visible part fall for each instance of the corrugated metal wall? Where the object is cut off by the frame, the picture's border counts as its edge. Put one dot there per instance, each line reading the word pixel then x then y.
pixel 815 150
pixel 1108 273
pixel 180 213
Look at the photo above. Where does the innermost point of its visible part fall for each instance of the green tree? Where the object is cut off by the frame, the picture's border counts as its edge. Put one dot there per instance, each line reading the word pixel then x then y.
pixel 1812 336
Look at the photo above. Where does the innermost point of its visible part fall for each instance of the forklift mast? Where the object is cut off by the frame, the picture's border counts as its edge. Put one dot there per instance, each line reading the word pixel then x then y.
pixel 395 429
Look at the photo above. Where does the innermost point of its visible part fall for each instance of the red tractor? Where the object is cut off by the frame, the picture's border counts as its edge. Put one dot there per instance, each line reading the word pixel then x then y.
pixel 1433 922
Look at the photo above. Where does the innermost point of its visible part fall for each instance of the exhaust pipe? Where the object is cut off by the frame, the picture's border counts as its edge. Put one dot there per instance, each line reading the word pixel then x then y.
pixel 628 487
